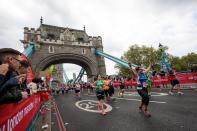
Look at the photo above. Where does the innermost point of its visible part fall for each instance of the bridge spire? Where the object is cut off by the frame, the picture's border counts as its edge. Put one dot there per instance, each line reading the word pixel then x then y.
pixel 41 20
pixel 84 28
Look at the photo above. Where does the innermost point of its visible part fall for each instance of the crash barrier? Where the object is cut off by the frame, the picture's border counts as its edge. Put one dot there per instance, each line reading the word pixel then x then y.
pixel 184 78
pixel 19 116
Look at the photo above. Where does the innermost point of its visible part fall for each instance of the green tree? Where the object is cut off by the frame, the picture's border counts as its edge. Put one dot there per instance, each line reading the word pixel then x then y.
pixel 142 56
pixel 184 63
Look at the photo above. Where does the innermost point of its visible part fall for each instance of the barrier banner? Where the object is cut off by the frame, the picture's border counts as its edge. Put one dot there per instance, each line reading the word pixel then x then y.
pixel 17 116
pixel 186 78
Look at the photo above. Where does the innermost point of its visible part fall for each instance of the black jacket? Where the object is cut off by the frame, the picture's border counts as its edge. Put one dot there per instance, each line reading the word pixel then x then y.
pixel 9 89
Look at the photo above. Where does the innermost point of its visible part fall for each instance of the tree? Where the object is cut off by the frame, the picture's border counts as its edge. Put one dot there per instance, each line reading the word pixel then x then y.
pixel 184 63
pixel 142 56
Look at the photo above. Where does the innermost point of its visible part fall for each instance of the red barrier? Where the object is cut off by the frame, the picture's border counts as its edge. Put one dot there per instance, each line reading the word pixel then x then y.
pixel 17 116
pixel 187 78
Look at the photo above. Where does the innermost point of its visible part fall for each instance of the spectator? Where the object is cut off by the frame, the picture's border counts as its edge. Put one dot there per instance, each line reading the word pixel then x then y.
pixel 23 69
pixel 10 79
pixel 3 72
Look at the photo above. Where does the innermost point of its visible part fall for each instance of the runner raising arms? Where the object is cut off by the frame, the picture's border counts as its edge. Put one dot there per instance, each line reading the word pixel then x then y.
pixel 100 94
pixel 142 88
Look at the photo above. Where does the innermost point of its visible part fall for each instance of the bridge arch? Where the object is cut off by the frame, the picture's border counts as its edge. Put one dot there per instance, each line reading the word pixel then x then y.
pixel 58 58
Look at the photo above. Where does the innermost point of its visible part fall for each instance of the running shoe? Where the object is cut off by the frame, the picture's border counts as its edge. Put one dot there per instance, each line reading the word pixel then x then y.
pixel 147 114
pixel 103 113
pixel 140 109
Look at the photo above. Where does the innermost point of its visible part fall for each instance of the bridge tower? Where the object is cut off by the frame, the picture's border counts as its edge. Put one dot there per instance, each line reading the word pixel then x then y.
pixel 55 45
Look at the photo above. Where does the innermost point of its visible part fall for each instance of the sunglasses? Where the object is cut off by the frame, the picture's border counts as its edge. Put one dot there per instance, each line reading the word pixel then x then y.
pixel 11 58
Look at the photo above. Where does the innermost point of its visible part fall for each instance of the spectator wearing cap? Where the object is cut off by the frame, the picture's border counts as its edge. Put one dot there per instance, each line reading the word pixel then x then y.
pixel 11 80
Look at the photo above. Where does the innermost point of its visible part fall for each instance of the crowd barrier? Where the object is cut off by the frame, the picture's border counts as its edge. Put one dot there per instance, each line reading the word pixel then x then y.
pixel 184 78
pixel 18 116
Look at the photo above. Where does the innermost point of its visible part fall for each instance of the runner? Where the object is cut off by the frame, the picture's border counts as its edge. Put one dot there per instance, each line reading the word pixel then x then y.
pixel 90 89
pixel 111 87
pixel 78 91
pixel 122 86
pixel 62 88
pixel 174 82
pixel 142 88
pixel 100 94
pixel 58 89
pixel 106 88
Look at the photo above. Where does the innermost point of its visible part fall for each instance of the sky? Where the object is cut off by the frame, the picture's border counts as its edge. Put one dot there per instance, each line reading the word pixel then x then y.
pixel 120 23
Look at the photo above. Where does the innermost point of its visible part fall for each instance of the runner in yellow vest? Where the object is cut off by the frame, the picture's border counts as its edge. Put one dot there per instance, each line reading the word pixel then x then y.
pixel 106 88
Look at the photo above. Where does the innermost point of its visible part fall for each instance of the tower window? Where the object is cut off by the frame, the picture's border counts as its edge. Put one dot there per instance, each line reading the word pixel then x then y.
pixel 50 36
pixel 80 39
pixel 51 49
pixel 83 51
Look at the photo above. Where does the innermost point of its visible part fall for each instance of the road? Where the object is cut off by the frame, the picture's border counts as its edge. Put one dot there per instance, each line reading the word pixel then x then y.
pixel 169 113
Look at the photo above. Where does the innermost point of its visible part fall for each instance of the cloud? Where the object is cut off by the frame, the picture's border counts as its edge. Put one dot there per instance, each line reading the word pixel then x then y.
pixel 120 23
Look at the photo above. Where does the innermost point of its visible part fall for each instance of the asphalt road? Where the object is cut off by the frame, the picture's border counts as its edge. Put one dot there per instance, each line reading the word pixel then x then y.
pixel 169 113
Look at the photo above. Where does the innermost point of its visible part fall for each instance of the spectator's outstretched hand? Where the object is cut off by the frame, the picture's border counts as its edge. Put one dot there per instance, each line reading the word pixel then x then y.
pixel 4 69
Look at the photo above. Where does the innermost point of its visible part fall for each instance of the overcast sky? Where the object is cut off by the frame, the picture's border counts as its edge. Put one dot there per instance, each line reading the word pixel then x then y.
pixel 120 23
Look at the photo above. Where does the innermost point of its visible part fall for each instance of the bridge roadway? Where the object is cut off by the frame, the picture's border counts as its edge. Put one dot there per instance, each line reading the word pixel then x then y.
pixel 169 113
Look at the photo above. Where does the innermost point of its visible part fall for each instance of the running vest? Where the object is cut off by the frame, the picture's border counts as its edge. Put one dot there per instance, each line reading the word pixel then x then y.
pixel 106 84
pixel 142 81
pixel 99 83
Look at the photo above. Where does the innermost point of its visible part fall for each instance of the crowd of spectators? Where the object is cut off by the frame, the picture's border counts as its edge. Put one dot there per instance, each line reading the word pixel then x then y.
pixel 13 78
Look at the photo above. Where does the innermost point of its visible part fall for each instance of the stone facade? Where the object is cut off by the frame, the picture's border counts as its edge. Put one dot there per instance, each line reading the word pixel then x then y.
pixel 55 45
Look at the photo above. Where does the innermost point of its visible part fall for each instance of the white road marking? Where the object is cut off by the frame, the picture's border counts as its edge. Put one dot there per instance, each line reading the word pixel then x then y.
pixel 159 102
pixel 153 94
pixel 87 105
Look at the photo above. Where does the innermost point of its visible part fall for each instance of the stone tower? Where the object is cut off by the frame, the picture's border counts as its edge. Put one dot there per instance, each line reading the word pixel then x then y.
pixel 55 45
